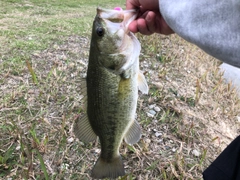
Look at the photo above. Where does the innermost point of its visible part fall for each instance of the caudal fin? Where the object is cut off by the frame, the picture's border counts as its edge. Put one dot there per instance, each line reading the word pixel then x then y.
pixel 103 169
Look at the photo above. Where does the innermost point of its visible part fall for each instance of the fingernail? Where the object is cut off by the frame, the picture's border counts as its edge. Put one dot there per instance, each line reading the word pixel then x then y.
pixel 148 18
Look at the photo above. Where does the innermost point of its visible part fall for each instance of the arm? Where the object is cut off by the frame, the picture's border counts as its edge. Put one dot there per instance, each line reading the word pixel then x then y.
pixel 213 25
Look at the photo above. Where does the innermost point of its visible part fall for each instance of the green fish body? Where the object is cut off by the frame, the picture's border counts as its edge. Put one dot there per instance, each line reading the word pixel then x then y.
pixel 113 80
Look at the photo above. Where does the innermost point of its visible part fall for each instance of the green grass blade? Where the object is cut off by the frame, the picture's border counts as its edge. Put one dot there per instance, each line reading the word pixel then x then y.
pixel 34 77
pixel 43 167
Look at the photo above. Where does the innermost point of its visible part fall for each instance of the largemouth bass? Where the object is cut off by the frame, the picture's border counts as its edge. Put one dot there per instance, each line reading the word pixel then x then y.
pixel 113 79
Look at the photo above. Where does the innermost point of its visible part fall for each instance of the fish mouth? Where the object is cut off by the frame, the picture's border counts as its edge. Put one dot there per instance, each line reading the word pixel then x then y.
pixel 122 17
pixel 111 15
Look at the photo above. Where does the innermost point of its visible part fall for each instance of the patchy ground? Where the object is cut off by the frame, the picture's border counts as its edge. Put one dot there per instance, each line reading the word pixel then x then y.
pixel 188 118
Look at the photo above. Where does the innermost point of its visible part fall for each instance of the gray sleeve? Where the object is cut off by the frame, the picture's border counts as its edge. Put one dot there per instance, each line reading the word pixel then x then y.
pixel 213 25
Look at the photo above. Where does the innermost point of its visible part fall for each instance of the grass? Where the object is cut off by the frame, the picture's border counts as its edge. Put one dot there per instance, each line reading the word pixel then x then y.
pixel 43 56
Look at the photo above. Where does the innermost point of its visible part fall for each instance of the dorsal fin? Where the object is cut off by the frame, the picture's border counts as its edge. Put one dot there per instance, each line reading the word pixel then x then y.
pixel 83 130
pixel 83 93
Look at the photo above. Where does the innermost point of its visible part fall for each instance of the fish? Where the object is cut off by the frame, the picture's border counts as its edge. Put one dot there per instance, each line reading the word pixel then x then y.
pixel 112 83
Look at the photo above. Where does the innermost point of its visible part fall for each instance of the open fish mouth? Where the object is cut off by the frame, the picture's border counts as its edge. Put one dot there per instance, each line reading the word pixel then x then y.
pixel 117 18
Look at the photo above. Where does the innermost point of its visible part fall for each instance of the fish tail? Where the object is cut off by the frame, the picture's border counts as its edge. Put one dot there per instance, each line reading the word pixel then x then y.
pixel 108 169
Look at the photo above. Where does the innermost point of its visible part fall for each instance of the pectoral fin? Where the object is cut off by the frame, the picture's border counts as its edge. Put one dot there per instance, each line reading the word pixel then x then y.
pixel 134 133
pixel 83 130
pixel 142 83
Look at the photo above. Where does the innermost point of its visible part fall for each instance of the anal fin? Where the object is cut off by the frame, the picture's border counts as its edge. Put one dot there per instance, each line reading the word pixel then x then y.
pixel 134 133
pixel 83 130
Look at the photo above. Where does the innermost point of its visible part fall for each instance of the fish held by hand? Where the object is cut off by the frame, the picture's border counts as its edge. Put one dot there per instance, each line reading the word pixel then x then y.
pixel 113 80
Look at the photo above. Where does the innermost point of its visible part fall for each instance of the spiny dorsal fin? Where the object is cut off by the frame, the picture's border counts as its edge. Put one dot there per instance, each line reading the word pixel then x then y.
pixel 142 83
pixel 83 130
pixel 134 133
pixel 83 93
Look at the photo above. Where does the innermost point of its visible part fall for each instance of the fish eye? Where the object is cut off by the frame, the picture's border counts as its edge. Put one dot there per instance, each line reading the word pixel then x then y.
pixel 100 31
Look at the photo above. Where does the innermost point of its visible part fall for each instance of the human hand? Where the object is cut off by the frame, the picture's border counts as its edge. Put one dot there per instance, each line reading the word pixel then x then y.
pixel 149 19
